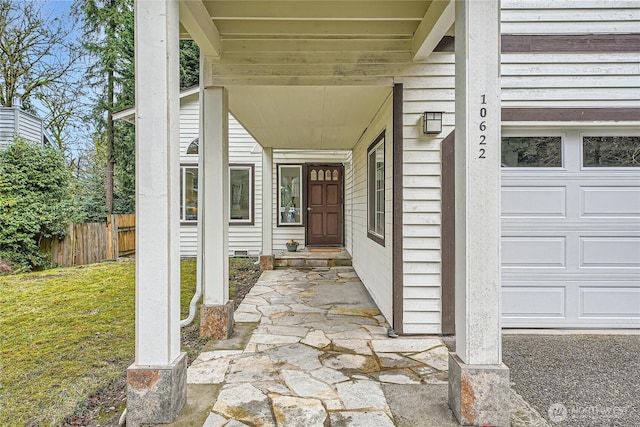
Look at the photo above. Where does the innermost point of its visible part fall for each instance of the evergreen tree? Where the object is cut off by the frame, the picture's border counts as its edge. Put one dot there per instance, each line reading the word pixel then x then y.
pixel 108 29
pixel 189 64
pixel 109 40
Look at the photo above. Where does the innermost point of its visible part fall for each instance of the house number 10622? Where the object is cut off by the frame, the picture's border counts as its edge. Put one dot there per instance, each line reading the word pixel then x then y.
pixel 483 127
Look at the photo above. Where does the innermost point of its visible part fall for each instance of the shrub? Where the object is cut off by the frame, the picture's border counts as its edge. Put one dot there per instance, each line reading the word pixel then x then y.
pixel 36 201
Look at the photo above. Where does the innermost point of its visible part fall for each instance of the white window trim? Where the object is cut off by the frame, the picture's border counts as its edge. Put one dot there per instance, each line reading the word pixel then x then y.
pixel 250 168
pixel 183 192
pixel 372 225
pixel 279 201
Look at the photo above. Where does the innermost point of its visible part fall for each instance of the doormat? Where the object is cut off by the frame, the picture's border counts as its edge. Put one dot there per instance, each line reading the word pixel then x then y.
pixel 324 249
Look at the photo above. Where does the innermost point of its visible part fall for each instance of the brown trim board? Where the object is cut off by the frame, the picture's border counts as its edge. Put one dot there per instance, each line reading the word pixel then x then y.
pixel 448 174
pixel 553 43
pixel 397 245
pixel 570 114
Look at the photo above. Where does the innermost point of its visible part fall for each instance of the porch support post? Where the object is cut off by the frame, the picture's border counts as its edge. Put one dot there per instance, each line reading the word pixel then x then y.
pixel 216 312
pixel 266 257
pixel 478 380
pixel 156 382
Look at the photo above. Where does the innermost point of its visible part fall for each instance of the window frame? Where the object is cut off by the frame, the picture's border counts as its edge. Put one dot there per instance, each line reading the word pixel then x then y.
pixel 538 133
pixel 251 168
pixel 183 193
pixel 379 142
pixel 279 167
pixel 603 134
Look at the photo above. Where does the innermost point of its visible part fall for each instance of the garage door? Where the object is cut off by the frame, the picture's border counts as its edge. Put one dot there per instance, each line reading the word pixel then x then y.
pixel 571 229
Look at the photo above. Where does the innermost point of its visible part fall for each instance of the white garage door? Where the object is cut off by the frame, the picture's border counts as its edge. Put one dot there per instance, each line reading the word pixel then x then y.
pixel 571 229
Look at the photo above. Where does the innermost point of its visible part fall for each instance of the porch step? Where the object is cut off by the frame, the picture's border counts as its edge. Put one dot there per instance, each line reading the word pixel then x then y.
pixel 307 259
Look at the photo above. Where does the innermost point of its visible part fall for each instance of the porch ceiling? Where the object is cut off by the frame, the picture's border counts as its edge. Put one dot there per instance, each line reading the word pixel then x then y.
pixel 256 49
pixel 306 117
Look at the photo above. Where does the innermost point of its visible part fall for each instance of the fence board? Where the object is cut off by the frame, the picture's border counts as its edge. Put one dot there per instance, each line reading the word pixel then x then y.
pixel 93 242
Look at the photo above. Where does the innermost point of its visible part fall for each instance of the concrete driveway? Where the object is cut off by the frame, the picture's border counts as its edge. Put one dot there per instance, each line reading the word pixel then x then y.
pixel 577 379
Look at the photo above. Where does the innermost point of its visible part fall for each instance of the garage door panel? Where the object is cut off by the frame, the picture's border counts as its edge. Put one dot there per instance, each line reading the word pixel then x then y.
pixel 533 301
pixel 610 252
pixel 610 201
pixel 530 251
pixel 571 235
pixel 610 302
pixel 534 201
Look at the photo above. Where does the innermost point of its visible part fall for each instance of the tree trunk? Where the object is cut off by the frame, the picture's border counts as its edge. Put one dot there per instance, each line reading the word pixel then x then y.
pixel 110 138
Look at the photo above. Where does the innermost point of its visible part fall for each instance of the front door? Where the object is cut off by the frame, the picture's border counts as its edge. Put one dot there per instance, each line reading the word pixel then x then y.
pixel 325 209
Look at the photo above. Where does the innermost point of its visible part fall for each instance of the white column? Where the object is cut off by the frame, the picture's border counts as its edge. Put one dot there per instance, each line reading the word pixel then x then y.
pixel 478 380
pixel 157 183
pixel 213 214
pixel 267 201
pixel 477 145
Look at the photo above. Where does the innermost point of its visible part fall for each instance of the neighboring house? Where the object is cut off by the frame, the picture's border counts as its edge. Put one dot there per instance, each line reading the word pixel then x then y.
pixel 560 80
pixel 16 122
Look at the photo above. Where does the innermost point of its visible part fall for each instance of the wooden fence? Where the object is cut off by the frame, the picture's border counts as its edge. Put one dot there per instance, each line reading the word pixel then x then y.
pixel 94 242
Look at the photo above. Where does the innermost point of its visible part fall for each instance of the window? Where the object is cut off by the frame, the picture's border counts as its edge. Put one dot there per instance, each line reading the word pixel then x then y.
pixel 193 147
pixel 611 151
pixel 290 194
pixel 532 151
pixel 375 190
pixel 188 193
pixel 241 180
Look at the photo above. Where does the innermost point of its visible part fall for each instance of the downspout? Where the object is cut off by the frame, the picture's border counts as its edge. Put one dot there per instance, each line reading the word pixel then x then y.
pixel 194 300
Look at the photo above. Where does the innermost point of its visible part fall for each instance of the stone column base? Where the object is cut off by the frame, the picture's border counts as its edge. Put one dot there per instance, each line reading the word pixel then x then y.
pixel 216 321
pixel 266 262
pixel 156 394
pixel 479 394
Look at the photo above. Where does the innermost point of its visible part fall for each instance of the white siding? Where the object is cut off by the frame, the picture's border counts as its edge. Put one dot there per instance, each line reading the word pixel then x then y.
pixel 348 202
pixel 571 80
pixel 422 193
pixel 14 121
pixel 569 16
pixel 607 79
pixel 7 126
pixel 242 149
pixel 372 261
pixel 29 127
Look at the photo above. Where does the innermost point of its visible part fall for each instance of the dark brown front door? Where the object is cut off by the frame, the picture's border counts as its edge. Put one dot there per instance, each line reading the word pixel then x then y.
pixel 324 205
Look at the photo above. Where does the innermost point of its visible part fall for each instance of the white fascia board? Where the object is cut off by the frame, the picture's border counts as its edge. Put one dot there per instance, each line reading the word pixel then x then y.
pixel 436 23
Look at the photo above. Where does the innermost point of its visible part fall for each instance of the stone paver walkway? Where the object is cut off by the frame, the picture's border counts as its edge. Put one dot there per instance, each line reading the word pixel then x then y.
pixel 319 356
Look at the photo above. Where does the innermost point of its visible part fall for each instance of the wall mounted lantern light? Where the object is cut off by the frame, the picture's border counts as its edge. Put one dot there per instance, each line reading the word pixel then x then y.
pixel 432 122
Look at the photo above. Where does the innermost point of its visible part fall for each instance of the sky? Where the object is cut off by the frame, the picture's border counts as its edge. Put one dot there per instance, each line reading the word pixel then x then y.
pixel 63 10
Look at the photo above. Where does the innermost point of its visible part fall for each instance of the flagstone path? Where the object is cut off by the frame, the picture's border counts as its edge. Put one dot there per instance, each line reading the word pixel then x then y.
pixel 319 356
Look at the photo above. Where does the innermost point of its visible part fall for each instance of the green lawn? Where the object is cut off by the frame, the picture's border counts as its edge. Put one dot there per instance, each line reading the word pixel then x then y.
pixel 66 333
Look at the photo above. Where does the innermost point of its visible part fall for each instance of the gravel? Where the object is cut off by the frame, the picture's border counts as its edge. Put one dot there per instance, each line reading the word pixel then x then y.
pixel 577 380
